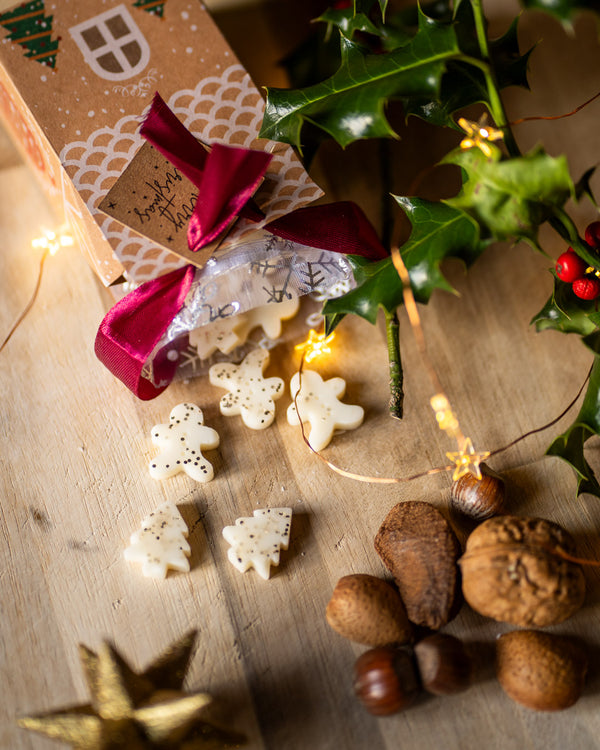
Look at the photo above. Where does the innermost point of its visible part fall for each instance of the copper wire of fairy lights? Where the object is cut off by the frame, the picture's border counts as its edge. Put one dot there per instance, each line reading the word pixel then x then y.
pixel 533 118
pixel 29 304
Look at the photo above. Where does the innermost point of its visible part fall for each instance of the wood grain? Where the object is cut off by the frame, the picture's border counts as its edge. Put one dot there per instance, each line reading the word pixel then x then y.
pixel 74 482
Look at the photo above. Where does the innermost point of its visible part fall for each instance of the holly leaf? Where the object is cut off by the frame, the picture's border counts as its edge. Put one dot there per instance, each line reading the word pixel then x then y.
pixel 350 104
pixel 377 285
pixel 570 445
pixel 583 187
pixel 511 197
pixel 565 312
pixel 438 231
pixel 463 84
pixel 348 22
pixel 564 10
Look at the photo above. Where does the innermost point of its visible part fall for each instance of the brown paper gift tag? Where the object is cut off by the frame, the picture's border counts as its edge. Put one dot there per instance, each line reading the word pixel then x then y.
pixel 157 200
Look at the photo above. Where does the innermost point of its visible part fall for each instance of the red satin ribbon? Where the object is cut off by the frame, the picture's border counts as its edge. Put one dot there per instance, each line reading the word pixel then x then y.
pixel 133 327
pixel 226 179
pixel 226 176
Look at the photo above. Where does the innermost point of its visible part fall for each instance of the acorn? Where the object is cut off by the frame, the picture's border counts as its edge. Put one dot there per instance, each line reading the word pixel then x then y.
pixel 479 498
pixel 542 671
pixel 368 610
pixel 385 680
pixel 443 663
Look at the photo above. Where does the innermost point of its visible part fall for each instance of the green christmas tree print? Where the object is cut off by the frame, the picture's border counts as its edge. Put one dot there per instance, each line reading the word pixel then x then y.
pixel 156 7
pixel 32 29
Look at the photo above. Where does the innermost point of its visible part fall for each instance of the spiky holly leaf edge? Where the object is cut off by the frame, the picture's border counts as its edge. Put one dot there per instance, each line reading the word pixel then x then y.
pixel 570 445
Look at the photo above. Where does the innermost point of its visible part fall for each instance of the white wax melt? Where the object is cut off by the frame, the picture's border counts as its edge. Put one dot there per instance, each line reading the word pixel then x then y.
pixel 268 317
pixel 219 335
pixel 256 541
pixel 182 442
pixel 161 543
pixel 319 405
pixel 250 395
pixel 225 334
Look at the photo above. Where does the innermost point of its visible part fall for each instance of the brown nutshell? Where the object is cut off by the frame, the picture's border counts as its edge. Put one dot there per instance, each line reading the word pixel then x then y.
pixel 541 671
pixel 365 609
pixel 513 571
pixel 385 680
pixel 418 546
pixel 479 498
pixel 444 665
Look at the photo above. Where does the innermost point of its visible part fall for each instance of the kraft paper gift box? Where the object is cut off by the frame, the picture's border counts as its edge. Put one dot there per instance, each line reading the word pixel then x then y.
pixel 75 79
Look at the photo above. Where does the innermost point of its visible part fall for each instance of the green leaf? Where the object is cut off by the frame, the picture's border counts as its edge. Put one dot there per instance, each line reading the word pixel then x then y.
pixel 348 22
pixel 511 197
pixel 565 312
pixel 438 231
pixel 583 187
pixel 564 10
pixel 570 445
pixel 350 104
pixel 378 285
pixel 463 84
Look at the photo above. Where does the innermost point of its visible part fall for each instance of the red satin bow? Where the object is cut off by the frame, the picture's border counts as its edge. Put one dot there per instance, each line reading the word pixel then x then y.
pixel 226 178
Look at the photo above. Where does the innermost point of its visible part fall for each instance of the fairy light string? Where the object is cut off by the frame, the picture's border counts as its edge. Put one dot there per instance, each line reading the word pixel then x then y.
pixel 50 243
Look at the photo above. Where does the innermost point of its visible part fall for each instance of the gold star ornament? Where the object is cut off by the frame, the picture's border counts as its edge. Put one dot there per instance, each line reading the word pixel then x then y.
pixel 131 711
pixel 467 461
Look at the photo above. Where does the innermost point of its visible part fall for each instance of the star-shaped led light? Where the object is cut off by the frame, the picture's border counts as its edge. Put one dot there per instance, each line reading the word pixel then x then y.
pixel 132 711
pixel 316 345
pixel 467 460
pixel 478 135
pixel 51 242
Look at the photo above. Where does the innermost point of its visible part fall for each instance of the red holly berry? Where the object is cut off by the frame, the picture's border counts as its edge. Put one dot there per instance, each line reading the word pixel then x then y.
pixel 592 234
pixel 569 266
pixel 587 288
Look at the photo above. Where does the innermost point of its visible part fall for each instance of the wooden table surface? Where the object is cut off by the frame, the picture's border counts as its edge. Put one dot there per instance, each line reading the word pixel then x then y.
pixel 74 482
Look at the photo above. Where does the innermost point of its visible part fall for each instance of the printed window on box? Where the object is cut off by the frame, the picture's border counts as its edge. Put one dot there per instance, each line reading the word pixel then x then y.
pixel 112 44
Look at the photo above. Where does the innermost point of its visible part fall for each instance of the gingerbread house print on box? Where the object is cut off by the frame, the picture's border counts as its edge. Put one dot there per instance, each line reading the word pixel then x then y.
pixel 75 79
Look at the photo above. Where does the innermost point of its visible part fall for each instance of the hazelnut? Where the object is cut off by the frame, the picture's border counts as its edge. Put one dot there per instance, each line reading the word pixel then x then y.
pixel 443 663
pixel 368 610
pixel 479 498
pixel 385 680
pixel 541 671
pixel 420 549
pixel 512 571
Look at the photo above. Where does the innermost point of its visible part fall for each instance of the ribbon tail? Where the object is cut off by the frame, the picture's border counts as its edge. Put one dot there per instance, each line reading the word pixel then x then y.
pixel 341 227
pixel 133 327
pixel 169 135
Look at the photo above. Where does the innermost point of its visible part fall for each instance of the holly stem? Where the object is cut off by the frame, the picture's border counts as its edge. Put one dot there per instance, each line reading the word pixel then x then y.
pixel 392 327
pixel 495 101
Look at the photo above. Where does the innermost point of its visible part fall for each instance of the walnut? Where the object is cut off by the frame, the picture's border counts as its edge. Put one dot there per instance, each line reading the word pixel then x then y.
pixel 514 571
